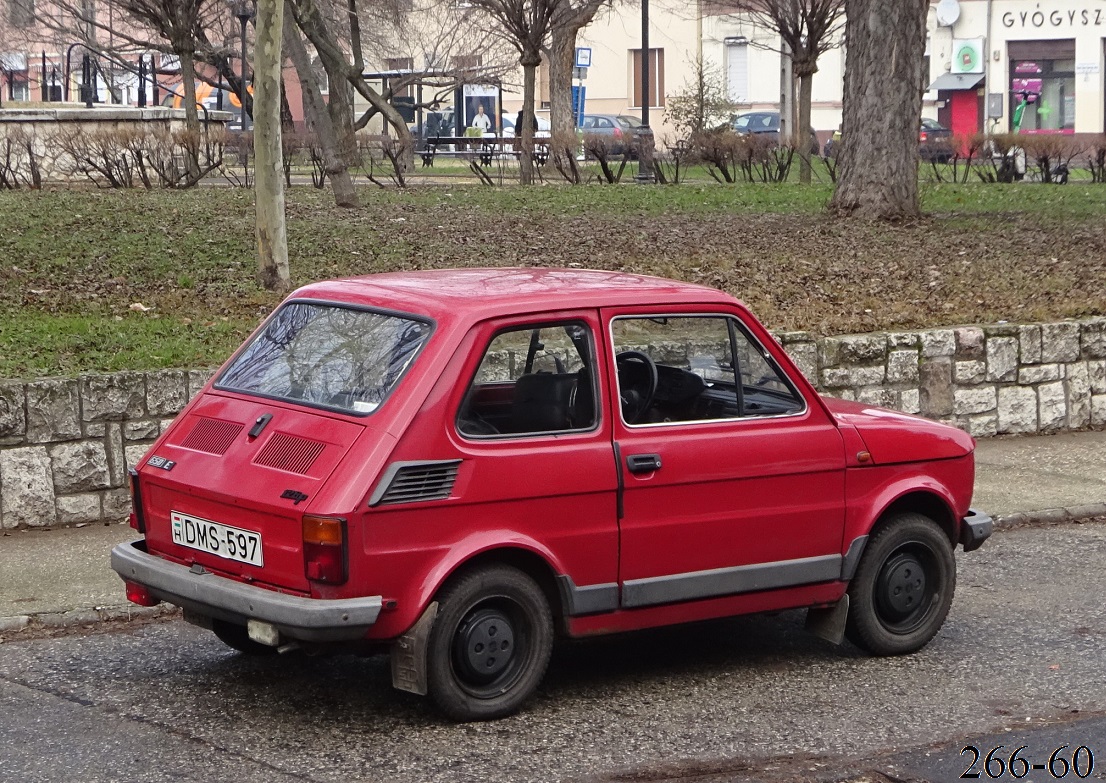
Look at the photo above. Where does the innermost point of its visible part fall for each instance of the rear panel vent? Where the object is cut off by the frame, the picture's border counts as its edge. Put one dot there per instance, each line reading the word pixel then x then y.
pixel 213 436
pixel 287 452
pixel 413 482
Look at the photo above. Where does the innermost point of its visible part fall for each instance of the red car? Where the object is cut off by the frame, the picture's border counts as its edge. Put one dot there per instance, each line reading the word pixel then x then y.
pixel 458 466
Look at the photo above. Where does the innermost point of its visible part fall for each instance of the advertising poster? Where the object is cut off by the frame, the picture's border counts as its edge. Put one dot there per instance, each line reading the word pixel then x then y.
pixel 481 109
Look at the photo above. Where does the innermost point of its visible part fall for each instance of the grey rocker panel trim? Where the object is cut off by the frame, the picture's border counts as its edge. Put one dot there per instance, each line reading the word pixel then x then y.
pixel 728 581
pixel 590 599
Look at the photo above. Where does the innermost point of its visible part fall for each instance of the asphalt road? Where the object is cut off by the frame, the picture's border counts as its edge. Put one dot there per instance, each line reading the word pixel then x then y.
pixel 1022 654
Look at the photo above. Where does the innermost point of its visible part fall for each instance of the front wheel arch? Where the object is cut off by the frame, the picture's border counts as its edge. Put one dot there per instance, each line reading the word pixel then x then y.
pixel 928 505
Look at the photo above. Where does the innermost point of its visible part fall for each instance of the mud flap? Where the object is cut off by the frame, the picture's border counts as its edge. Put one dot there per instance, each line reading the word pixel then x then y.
pixel 829 623
pixel 409 654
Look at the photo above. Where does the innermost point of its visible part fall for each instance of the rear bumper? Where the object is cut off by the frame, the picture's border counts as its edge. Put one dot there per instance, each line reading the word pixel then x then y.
pixel 975 529
pixel 307 619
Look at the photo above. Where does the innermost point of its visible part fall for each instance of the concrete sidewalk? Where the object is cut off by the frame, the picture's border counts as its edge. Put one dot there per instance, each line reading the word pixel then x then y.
pixel 62 577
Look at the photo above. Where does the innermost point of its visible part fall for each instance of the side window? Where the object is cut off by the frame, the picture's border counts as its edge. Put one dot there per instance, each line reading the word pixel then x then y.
pixel 695 368
pixel 533 380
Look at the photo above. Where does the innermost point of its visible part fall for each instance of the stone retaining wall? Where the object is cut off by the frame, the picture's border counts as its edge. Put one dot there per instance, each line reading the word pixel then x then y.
pixel 65 444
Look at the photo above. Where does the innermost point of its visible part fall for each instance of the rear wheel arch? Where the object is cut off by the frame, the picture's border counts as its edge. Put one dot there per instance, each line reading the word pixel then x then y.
pixel 527 561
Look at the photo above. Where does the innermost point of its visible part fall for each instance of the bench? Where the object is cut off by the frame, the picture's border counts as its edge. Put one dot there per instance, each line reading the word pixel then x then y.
pixel 482 148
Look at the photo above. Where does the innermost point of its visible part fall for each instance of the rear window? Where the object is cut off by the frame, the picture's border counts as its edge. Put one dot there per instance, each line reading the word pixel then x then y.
pixel 328 356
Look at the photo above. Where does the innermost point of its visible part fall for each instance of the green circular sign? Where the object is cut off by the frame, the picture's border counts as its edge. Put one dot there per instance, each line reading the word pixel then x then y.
pixel 966 59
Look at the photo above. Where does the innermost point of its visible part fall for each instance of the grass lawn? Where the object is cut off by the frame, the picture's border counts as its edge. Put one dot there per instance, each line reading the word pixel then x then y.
pixel 78 267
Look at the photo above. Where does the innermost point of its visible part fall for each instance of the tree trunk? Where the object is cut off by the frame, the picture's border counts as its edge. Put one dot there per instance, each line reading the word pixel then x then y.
pixel 878 164
pixel 562 114
pixel 340 72
pixel 191 116
pixel 318 118
pixel 802 132
pixel 272 239
pixel 526 132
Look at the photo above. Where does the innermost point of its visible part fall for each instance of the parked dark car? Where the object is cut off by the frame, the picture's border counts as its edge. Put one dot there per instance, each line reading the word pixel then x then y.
pixel 934 142
pixel 765 122
pixel 620 127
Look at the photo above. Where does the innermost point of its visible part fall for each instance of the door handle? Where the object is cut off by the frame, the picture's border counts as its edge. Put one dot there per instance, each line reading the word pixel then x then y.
pixel 643 463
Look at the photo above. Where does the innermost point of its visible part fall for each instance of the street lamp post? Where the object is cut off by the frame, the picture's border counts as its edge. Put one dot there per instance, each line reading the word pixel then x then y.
pixel 245 12
pixel 645 133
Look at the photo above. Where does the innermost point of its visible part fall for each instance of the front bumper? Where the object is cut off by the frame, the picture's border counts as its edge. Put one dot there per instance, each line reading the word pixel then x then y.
pixel 306 619
pixel 975 529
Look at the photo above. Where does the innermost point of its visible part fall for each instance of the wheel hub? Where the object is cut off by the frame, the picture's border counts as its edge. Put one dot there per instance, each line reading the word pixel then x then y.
pixel 485 644
pixel 903 583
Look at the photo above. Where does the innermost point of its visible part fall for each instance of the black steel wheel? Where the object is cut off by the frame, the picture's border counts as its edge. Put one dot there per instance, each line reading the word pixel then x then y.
pixel 903 587
pixel 490 644
pixel 236 636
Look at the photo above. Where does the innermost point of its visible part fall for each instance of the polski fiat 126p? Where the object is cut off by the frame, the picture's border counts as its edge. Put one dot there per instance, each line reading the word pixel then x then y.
pixel 459 466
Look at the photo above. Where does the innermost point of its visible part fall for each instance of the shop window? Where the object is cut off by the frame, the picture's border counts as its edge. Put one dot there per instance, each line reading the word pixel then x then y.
pixel 1042 86
pixel 656 77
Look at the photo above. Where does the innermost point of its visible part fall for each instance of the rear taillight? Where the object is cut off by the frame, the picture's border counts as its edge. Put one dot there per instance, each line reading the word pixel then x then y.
pixel 325 553
pixel 137 594
pixel 618 133
pixel 922 136
pixel 138 517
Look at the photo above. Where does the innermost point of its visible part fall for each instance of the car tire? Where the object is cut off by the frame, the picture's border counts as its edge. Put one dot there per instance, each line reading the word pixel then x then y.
pixel 490 643
pixel 236 636
pixel 903 586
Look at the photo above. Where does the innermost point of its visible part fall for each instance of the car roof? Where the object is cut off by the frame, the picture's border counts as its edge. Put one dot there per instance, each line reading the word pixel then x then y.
pixel 470 295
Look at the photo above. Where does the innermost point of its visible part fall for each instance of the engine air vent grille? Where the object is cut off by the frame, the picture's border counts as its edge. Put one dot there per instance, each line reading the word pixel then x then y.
pixel 290 453
pixel 413 482
pixel 213 436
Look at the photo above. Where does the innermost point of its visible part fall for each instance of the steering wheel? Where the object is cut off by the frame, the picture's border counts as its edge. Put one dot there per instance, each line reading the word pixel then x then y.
pixel 637 383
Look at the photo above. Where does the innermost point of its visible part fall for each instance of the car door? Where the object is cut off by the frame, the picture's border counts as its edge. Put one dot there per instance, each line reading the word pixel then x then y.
pixel 732 479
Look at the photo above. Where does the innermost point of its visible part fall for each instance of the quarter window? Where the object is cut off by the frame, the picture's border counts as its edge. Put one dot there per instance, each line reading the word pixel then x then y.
pixel 533 380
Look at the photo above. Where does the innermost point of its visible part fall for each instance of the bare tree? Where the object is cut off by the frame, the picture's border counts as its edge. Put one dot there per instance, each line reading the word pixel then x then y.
pixel 177 21
pixel 272 238
pixel 569 17
pixel 318 117
pixel 701 104
pixel 807 30
pixel 878 165
pixel 340 43
pixel 526 24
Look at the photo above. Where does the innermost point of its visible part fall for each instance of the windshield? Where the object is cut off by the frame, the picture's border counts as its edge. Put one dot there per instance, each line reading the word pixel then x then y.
pixel 629 122
pixel 327 355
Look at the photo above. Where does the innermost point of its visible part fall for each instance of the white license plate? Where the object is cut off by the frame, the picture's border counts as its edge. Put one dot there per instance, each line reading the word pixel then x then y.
pixel 233 543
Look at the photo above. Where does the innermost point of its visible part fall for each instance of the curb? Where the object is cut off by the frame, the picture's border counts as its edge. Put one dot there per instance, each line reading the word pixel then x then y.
pixel 1051 516
pixel 129 612
pixel 77 617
